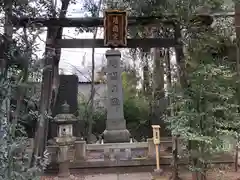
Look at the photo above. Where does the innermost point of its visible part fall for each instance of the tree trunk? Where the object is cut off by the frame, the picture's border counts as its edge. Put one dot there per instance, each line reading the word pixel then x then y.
pixel 182 77
pixel 158 84
pixel 6 106
pixel 8 33
pixel 50 72
pixel 146 87
pixel 146 83
pixel 93 91
pixel 21 89
pixel 175 175
pixel 57 34
pixel 180 59
pixel 168 73
pixel 45 99
pixel 237 23
pixel 236 156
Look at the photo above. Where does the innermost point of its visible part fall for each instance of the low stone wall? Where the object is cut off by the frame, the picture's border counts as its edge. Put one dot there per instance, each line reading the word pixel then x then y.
pixel 113 153
pixel 84 155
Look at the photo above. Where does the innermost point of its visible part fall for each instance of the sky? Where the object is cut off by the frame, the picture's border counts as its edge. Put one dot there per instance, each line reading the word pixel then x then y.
pixel 78 60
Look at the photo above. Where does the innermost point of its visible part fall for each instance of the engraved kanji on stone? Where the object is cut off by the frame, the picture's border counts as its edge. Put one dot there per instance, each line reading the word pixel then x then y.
pixel 113 63
pixel 113 75
pixel 114 88
pixel 115 102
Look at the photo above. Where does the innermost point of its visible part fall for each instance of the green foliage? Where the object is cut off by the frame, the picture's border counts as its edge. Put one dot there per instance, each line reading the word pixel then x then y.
pixel 209 102
pixel 205 112
pixel 130 81
pixel 99 116
pixel 14 154
pixel 15 160
pixel 136 113
pixel 99 123
pixel 136 110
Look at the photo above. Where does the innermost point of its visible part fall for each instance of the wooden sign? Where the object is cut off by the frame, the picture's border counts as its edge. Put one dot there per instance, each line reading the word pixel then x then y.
pixel 115 28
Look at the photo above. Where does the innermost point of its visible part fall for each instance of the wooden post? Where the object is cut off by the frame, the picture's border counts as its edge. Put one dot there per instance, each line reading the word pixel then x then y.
pixel 157 157
pixel 236 157
pixel 158 172
pixel 156 141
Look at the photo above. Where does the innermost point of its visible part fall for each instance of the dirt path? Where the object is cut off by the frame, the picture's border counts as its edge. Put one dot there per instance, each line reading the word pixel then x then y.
pixel 131 176
pixel 144 173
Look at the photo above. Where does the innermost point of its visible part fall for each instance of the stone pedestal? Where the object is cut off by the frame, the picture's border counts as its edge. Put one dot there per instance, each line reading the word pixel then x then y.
pixel 116 136
pixel 63 159
pixel 80 150
pixel 151 148
pixel 116 131
pixel 71 177
pixel 64 169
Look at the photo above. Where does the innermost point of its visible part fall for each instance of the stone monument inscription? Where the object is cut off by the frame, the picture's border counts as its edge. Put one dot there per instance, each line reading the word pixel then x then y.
pixel 115 107
pixel 113 63
pixel 113 76
pixel 114 88
pixel 115 102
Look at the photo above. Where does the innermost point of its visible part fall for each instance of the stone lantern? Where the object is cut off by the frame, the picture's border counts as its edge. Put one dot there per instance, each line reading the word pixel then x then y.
pixel 64 139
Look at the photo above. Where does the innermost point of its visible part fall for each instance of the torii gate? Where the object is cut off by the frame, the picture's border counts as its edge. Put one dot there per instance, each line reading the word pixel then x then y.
pixel 146 43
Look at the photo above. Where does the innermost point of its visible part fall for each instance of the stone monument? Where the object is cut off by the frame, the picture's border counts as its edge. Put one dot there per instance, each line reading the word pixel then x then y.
pixel 115 124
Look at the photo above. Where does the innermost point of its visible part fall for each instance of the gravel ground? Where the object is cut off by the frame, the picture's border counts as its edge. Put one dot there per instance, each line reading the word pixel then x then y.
pixel 144 173
pixel 131 176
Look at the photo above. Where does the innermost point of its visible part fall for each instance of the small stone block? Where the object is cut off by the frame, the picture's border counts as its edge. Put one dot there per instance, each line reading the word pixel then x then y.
pixel 158 175
pixel 160 178
pixel 158 172
pixel 71 177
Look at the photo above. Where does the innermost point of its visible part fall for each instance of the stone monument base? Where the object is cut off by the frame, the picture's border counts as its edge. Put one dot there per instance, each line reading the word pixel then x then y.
pixel 116 136
pixel 63 170
pixel 71 177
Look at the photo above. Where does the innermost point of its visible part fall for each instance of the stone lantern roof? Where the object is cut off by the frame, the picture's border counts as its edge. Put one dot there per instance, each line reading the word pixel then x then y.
pixel 65 117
